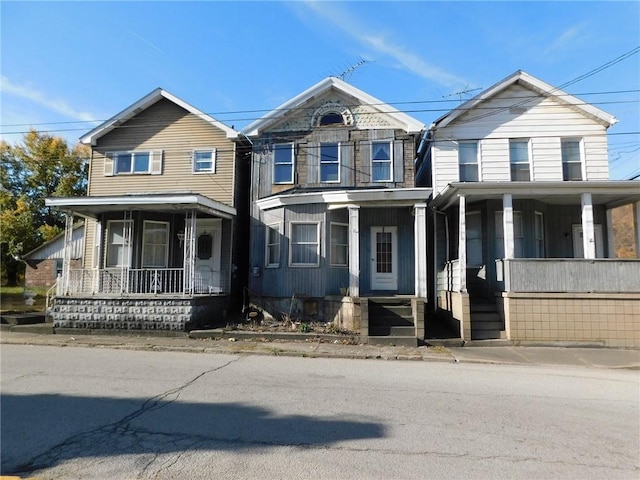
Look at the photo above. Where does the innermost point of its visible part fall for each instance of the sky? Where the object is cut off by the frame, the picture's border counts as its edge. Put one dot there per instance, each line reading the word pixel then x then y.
pixel 67 66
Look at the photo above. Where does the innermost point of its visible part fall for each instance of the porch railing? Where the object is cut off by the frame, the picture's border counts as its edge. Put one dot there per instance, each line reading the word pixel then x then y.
pixel 122 281
pixel 449 277
pixel 569 275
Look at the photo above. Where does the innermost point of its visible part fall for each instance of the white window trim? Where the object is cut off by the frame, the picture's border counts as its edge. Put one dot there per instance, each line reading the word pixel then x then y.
pixel 529 157
pixel 108 244
pixel 333 264
pixel 339 161
pixel 133 155
pixel 214 161
pixel 166 242
pixel 477 163
pixel 291 244
pixel 293 162
pixel 278 228
pixel 391 165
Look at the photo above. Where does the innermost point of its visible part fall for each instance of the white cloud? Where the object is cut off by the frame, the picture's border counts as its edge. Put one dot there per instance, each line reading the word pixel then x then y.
pixel 569 36
pixel 35 96
pixel 411 61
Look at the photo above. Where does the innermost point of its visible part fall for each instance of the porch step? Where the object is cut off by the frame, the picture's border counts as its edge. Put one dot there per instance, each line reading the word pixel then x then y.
pixel 394 331
pixel 391 322
pixel 23 318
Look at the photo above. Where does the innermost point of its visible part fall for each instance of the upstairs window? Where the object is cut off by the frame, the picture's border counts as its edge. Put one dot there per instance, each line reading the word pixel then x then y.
pixel 331 118
pixel 571 159
pixel 519 159
pixel 204 161
pixel 468 161
pixel 381 162
pixel 330 162
pixel 132 162
pixel 283 163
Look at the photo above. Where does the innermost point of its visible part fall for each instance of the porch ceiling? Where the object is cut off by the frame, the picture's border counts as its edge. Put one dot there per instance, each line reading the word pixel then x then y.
pixel 92 207
pixel 609 193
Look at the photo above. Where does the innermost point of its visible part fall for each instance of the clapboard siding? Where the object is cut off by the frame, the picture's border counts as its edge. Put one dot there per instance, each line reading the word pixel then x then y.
pixel 544 121
pixel 166 126
pixel 89 242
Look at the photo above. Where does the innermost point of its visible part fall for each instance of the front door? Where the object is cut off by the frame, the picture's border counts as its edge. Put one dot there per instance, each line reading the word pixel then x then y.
pixel 384 258
pixel 207 258
pixel 578 245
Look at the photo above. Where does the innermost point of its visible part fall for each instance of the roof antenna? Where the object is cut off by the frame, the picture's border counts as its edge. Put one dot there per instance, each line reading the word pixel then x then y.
pixel 346 74
pixel 466 91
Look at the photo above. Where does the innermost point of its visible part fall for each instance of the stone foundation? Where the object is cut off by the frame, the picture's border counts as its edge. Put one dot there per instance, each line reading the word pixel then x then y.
pixel 344 312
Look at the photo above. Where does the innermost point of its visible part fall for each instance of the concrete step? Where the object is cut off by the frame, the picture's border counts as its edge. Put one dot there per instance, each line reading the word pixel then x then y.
pixel 485 317
pixel 395 341
pixel 485 334
pixel 23 318
pixel 391 330
pixel 483 307
pixel 487 325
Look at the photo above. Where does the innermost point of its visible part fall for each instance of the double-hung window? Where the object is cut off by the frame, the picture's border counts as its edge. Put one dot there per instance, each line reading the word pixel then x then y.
pixel 571 159
pixel 132 162
pixel 339 245
pixel 305 244
pixel 204 161
pixel 382 161
pixel 519 159
pixel 283 165
pixel 330 162
pixel 272 254
pixel 468 161
pixel 118 243
pixel 155 244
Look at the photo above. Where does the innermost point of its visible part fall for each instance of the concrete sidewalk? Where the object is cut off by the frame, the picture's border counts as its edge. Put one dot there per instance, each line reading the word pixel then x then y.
pixel 334 348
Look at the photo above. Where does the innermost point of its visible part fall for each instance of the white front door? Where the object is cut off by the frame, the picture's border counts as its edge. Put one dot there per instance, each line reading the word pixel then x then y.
pixel 207 255
pixel 578 245
pixel 384 258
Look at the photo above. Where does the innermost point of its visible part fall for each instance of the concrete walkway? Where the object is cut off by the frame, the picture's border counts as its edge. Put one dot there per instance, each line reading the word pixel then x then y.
pixel 331 347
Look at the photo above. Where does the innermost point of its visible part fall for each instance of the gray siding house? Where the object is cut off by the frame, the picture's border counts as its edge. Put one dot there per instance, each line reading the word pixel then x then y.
pixel 164 217
pixel 522 242
pixel 338 228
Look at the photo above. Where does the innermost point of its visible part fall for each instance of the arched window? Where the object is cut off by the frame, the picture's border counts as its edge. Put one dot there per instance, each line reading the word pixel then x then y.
pixel 331 118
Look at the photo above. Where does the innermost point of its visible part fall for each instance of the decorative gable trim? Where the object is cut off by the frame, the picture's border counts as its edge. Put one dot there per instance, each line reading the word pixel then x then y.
pixel 91 137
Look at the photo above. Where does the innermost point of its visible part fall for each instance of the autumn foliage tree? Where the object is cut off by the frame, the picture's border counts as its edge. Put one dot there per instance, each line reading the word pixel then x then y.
pixel 41 166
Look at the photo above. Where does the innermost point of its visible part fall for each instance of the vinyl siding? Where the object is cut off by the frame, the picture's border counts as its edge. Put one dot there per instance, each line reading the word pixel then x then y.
pixel 166 126
pixel 544 121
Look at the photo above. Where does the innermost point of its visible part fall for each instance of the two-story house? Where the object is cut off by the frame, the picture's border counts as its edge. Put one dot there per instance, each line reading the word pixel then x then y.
pixel 164 239
pixel 520 218
pixel 338 228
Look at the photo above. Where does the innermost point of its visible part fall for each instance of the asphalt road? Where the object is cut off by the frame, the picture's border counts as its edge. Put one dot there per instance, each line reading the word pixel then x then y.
pixel 102 413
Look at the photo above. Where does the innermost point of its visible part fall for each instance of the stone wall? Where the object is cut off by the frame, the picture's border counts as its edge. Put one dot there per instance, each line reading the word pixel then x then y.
pixel 343 312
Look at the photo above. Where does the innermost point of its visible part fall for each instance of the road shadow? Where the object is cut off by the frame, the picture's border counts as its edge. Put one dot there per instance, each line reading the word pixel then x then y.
pixel 41 431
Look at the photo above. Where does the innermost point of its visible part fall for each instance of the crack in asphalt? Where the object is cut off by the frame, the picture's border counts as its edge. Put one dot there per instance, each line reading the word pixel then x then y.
pixel 103 434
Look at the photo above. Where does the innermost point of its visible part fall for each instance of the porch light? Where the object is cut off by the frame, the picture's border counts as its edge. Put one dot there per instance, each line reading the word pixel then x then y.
pixel 181 236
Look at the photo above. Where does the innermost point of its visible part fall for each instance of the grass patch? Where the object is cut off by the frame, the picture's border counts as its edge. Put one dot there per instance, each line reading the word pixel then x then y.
pixel 12 300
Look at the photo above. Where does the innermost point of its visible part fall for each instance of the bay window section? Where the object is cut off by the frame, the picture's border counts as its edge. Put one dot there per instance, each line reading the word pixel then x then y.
pixel 305 245
pixel 518 234
pixel 272 258
pixel 339 245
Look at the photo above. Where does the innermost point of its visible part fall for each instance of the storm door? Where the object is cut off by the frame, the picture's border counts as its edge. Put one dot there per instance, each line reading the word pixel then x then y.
pixel 384 258
pixel 207 255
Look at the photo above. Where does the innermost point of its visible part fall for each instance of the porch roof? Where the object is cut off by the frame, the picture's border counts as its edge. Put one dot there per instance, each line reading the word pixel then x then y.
pixel 611 193
pixel 345 197
pixel 92 207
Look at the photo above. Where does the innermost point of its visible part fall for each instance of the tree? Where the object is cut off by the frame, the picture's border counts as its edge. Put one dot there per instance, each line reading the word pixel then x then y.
pixel 42 166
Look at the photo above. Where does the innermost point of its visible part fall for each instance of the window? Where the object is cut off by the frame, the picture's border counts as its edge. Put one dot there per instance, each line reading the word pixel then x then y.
pixel 132 162
pixel 331 118
pixel 381 161
pixel 155 244
pixel 468 161
pixel 571 163
pixel 272 257
pixel 329 162
pixel 305 245
pixel 204 161
pixel 58 270
pixel 339 245
pixel 517 234
pixel 519 158
pixel 539 232
pixel 283 163
pixel 118 237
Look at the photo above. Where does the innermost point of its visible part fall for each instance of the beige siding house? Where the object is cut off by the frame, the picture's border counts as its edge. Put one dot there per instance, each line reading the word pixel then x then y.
pixel 521 215
pixel 165 219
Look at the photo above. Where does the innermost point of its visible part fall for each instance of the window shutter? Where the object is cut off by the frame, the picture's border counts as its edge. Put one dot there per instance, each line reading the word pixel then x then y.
pixel 156 162
pixel 347 168
pixel 313 162
pixel 108 164
pixel 365 167
pixel 398 161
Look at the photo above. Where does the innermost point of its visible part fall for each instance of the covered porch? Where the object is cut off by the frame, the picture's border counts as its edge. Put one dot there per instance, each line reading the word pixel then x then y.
pixel 551 243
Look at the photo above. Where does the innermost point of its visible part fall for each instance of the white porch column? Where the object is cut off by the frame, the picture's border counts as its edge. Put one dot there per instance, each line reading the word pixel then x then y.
pixel 588 231
pixel 462 242
pixel 420 245
pixel 507 226
pixel 636 218
pixel 68 245
pixel 354 251
pixel 189 252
